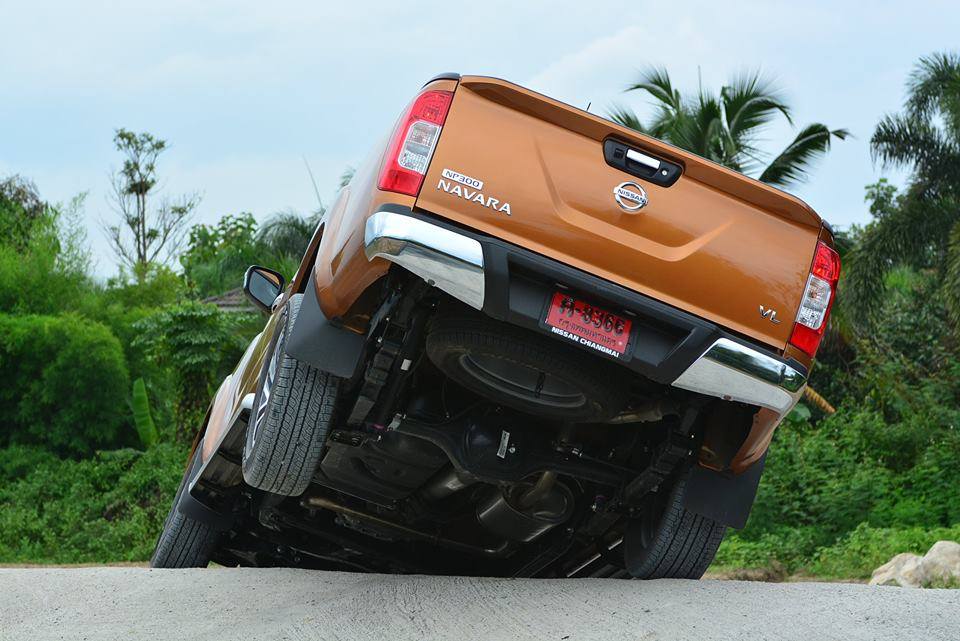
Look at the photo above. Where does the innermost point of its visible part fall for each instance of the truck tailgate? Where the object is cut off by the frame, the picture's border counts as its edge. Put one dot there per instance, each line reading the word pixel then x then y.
pixel 714 243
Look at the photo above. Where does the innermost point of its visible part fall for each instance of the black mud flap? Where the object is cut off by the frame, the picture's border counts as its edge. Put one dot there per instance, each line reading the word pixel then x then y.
pixel 194 509
pixel 190 507
pixel 723 496
pixel 320 343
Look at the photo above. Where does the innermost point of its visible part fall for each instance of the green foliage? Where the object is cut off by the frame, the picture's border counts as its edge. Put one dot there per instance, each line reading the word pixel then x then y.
pixel 856 469
pixel 142 419
pixel 160 381
pixel 191 340
pixel 106 508
pixel 791 165
pixel 65 383
pixel 853 556
pixel 17 461
pixel 20 209
pixel 727 128
pixel 916 341
pixel 286 235
pixel 882 198
pixel 68 348
pixel 218 255
pixel 786 546
pixel 43 267
pixel 843 494
pixel 918 228
pixel 926 135
pixel 867 548
pixel 140 153
pixel 157 287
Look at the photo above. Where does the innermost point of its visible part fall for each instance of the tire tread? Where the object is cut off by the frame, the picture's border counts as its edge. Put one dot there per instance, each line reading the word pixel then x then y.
pixel 287 451
pixel 184 542
pixel 684 545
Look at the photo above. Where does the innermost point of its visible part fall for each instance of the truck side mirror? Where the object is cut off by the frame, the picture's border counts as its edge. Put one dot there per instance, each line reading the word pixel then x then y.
pixel 262 286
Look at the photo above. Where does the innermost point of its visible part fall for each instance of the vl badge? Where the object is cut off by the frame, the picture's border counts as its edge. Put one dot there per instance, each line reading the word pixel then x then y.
pixel 630 196
pixel 769 314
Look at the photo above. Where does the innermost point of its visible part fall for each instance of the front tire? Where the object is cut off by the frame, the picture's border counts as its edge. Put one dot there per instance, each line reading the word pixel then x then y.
pixel 292 413
pixel 669 541
pixel 184 542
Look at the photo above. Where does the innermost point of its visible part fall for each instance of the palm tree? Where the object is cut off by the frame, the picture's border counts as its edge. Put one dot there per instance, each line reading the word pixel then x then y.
pixel 287 233
pixel 921 227
pixel 726 128
pixel 284 237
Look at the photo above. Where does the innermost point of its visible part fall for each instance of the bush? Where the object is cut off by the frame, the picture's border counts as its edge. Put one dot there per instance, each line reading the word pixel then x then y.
pixel 43 259
pixel 159 286
pixel 218 255
pixel 20 209
pixel 103 509
pixel 160 381
pixel 33 282
pixel 195 341
pixel 789 547
pixel 842 496
pixel 866 548
pixel 66 384
pixel 19 460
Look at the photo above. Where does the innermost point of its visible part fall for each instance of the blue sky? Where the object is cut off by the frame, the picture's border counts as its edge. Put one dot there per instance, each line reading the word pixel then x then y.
pixel 244 91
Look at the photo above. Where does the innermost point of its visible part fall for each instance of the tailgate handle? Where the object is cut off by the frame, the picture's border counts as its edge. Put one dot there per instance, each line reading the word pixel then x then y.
pixel 640 164
pixel 643 159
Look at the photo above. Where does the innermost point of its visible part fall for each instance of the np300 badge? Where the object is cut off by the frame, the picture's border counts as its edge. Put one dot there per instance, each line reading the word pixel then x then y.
pixel 630 196
pixel 453 182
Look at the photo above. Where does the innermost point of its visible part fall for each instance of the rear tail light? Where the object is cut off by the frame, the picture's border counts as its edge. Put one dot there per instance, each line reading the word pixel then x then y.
pixel 818 297
pixel 413 141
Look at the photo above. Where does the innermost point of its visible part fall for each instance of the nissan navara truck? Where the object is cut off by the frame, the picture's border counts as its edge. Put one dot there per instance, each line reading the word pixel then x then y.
pixel 524 341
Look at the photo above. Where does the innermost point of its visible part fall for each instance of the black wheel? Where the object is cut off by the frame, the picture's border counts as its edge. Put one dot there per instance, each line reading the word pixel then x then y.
pixel 184 542
pixel 669 541
pixel 292 412
pixel 524 370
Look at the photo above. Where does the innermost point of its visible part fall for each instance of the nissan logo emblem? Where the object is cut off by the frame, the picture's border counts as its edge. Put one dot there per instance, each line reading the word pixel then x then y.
pixel 630 196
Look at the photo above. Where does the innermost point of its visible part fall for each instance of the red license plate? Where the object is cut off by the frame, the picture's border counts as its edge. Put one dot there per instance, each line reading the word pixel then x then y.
pixel 588 325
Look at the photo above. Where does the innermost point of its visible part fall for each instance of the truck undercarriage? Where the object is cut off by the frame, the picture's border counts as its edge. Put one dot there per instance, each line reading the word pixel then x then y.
pixel 429 466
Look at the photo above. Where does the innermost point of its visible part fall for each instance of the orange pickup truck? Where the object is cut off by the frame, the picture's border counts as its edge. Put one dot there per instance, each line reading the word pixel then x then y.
pixel 525 341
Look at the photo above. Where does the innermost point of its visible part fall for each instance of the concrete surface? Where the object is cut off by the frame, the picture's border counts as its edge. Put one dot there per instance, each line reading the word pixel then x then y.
pixel 139 603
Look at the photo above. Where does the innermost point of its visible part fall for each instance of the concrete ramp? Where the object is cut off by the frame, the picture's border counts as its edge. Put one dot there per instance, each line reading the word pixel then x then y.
pixel 243 604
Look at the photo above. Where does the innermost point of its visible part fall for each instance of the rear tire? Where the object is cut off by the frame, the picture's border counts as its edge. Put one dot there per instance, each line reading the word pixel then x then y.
pixel 669 541
pixel 292 413
pixel 184 542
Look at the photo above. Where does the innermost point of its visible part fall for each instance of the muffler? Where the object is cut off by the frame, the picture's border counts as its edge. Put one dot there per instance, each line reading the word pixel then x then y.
pixel 523 513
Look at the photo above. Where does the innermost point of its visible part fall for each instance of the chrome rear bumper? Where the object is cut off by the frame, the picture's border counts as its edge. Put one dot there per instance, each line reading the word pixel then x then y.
pixel 445 259
pixel 736 372
pixel 453 262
